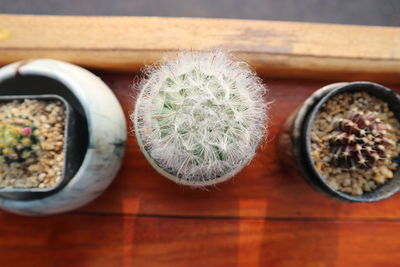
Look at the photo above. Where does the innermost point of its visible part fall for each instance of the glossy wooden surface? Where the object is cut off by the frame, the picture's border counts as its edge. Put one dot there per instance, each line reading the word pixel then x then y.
pixel 264 216
pixel 93 240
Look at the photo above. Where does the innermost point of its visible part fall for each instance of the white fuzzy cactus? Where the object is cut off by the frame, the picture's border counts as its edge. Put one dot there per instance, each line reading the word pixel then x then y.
pixel 200 117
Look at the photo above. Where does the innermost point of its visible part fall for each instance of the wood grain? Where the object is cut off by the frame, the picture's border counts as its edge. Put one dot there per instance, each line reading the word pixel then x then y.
pixel 91 240
pixel 276 49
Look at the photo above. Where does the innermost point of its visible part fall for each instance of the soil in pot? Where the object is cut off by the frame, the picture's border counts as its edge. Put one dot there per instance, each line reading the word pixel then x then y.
pixel 31 143
pixel 354 142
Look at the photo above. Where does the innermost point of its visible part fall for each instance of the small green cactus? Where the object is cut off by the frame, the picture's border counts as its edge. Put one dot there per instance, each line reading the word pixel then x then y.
pixel 18 139
pixel 359 141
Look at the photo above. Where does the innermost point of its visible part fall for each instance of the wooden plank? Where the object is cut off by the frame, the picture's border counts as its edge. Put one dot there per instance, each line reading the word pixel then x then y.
pixel 84 240
pixel 277 49
pixel 264 189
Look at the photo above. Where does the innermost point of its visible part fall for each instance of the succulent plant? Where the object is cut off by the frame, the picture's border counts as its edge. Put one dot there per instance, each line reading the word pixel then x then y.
pixel 359 141
pixel 18 140
pixel 201 115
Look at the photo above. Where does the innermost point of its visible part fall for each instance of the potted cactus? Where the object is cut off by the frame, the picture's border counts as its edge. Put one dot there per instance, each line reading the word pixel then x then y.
pixel 344 141
pixel 200 117
pixel 58 150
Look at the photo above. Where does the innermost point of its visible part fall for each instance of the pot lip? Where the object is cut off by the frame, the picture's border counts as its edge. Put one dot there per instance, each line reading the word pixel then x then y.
pixel 6 98
pixel 170 176
pixel 383 93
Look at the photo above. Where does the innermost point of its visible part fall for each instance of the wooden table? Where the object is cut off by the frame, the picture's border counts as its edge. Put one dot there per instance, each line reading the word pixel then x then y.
pixel 264 216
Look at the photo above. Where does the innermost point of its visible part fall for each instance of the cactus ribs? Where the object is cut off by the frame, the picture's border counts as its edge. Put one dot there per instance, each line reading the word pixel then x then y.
pixel 359 141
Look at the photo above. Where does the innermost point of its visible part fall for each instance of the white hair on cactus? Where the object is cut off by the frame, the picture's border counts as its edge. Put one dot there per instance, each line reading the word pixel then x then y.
pixel 201 116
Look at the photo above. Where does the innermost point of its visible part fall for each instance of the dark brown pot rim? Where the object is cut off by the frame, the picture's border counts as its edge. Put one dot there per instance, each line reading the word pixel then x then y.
pixel 384 191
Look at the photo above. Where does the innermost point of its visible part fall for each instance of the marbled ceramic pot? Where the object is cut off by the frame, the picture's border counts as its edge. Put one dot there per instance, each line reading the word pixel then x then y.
pixel 102 116
pixel 295 141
